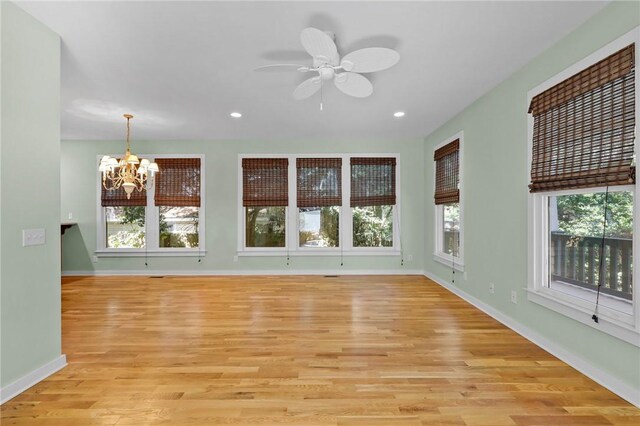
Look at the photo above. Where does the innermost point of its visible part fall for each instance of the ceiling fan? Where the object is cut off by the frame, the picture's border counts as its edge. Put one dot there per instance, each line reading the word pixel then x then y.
pixel 345 72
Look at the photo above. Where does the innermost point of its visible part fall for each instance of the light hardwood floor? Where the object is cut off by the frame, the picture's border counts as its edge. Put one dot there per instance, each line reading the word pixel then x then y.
pixel 299 350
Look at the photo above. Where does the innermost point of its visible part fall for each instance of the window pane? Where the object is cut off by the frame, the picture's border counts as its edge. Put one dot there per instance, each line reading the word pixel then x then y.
pixel 265 226
pixel 578 261
pixel 125 226
pixel 373 226
pixel 178 226
pixel 319 226
pixel 451 229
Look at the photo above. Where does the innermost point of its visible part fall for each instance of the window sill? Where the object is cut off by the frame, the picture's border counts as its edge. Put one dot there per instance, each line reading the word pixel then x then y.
pixel 150 253
pixel 446 260
pixel 318 252
pixel 561 303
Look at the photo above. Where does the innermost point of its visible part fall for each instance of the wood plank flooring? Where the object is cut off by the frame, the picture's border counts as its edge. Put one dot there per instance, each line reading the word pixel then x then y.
pixel 299 350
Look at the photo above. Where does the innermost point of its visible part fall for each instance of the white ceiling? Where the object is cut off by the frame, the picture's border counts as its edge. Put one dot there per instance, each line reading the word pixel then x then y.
pixel 182 67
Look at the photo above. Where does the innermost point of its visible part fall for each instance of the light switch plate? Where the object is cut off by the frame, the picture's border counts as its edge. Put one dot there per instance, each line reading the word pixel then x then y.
pixel 33 237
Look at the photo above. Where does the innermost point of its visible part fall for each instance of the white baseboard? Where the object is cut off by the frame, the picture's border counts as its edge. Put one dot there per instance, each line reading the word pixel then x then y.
pixel 218 272
pixel 615 385
pixel 25 382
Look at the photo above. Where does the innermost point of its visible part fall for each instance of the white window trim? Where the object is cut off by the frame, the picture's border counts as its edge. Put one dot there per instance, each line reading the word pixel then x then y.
pixel 151 219
pixel 624 327
pixel 292 226
pixel 438 254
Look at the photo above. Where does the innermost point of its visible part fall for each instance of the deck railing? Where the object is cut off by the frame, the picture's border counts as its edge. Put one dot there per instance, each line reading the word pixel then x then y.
pixel 576 260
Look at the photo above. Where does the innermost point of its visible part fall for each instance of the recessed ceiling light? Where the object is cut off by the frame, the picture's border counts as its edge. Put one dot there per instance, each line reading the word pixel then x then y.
pixel 398 114
pixel 235 115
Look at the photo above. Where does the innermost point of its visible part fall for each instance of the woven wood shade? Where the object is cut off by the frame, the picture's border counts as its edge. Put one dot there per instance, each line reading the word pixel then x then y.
pixel 373 181
pixel 447 160
pixel 178 182
pixel 319 182
pixel 583 132
pixel 118 198
pixel 264 182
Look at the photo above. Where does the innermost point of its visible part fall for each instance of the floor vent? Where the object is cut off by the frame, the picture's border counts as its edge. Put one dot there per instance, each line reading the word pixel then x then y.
pixel 331 276
pixel 157 276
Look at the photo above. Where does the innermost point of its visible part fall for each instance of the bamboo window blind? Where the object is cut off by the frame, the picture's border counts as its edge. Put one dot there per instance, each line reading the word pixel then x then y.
pixel 447 179
pixel 583 132
pixel 264 182
pixel 118 198
pixel 319 182
pixel 373 181
pixel 178 182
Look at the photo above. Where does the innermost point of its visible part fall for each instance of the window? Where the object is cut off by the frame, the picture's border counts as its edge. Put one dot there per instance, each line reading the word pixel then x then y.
pixel 124 219
pixel 265 198
pixel 125 226
pixel 448 207
pixel 451 229
pixel 319 197
pixel 303 204
pixel 581 257
pixel 373 198
pixel 582 191
pixel 167 219
pixel 177 197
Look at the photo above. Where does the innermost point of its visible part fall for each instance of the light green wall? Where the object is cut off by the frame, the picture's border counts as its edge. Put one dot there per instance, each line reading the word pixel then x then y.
pixel 495 197
pixel 79 198
pixel 30 194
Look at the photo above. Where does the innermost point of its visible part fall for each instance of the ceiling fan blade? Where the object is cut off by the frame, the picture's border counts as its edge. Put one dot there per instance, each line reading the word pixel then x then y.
pixel 353 84
pixel 318 43
pixel 371 59
pixel 281 67
pixel 307 88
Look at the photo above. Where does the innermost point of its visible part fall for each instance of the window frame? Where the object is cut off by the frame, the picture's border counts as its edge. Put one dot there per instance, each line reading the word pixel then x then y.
pixel 292 224
pixel 614 323
pixel 152 238
pixel 438 253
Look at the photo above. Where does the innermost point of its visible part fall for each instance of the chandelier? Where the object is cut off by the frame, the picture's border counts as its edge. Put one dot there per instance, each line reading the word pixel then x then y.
pixel 128 172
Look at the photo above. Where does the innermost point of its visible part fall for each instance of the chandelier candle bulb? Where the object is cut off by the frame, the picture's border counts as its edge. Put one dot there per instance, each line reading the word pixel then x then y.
pixel 129 173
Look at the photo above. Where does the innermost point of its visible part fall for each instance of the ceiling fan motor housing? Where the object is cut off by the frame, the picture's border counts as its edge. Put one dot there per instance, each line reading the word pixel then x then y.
pixel 320 60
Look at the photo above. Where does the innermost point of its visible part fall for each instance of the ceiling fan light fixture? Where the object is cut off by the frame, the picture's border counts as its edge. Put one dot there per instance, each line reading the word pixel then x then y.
pixel 398 114
pixel 235 114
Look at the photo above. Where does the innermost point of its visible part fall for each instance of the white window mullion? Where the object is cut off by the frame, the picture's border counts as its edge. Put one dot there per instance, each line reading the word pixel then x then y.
pixel 346 212
pixel 292 211
pixel 152 226
pixel 397 226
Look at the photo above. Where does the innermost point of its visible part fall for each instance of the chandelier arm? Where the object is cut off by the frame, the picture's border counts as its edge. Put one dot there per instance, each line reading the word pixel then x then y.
pixel 139 184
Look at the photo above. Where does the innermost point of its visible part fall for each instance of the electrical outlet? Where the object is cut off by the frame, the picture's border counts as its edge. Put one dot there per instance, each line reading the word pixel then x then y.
pixel 70 215
pixel 492 288
pixel 33 237
pixel 514 296
pixel 410 257
pixel 94 259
